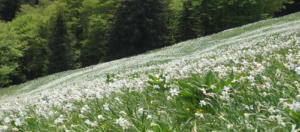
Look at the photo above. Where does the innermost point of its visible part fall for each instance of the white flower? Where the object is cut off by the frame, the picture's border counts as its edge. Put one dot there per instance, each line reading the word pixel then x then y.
pixel 229 126
pixel 141 110
pixel 199 115
pixel 295 106
pixel 162 112
pixel 271 110
pixel 123 113
pixel 84 109
pixel 100 117
pixel 294 126
pixel 202 103
pixel 60 119
pixel 18 122
pixel 149 116
pixel 174 92
pixel 203 90
pixel 298 70
pixel 7 120
pixel 106 106
pixel 51 113
pixel 123 123
pixel 247 115
pixel 280 120
pixel 88 122
pixel 278 73
pixel 226 88
pixel 250 78
pixel 81 116
pixel 153 124
pixel 161 80
pixel 118 99
pixel 156 87
pixel 3 128
pixel 15 129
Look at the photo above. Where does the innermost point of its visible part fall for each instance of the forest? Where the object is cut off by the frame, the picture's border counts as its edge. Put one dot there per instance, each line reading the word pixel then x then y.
pixel 42 37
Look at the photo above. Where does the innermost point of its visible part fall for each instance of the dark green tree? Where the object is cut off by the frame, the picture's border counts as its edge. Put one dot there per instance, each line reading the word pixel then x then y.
pixel 189 23
pixel 59 44
pixel 96 20
pixel 36 58
pixel 292 7
pixel 95 46
pixel 218 15
pixel 140 25
pixel 31 2
pixel 34 62
pixel 11 50
pixel 8 9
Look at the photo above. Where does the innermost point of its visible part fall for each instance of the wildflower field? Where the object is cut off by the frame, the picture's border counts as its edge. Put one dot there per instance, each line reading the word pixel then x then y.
pixel 242 79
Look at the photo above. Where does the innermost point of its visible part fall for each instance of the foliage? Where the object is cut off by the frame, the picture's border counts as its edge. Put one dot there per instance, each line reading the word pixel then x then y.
pixel 96 21
pixel 65 34
pixel 218 15
pixel 11 49
pixel 190 25
pixel 35 61
pixel 290 7
pixel 59 44
pixel 139 26
pixel 8 9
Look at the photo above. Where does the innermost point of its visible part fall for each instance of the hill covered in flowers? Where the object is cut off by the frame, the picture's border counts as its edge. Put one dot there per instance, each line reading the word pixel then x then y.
pixel 242 79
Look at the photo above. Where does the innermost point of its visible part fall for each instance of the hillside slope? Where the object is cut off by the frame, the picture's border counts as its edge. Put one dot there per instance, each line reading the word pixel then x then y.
pixel 242 54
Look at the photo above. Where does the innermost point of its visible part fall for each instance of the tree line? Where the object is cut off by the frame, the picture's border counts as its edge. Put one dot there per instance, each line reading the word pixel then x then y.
pixel 41 37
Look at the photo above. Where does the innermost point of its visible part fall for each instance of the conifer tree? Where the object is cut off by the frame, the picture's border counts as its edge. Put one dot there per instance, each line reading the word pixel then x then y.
pixel 140 25
pixel 36 58
pixel 189 26
pixel 291 7
pixel 8 9
pixel 59 44
pixel 218 15
pixel 96 21
pixel 94 47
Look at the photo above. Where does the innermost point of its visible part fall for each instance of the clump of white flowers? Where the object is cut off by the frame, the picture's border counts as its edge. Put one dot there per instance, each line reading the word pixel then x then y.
pixel 100 117
pixel 295 106
pixel 3 128
pixel 90 123
pixel 84 109
pixel 125 124
pixel 202 103
pixel 18 122
pixel 225 93
pixel 7 120
pixel 297 70
pixel 106 106
pixel 141 110
pixel 174 91
pixel 60 119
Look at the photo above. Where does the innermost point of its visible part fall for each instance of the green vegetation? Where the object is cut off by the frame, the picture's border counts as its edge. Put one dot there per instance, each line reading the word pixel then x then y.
pixel 49 36
pixel 232 87
pixel 139 26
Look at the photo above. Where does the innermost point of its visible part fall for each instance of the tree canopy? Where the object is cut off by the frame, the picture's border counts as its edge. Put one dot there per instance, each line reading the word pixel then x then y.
pixel 40 37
